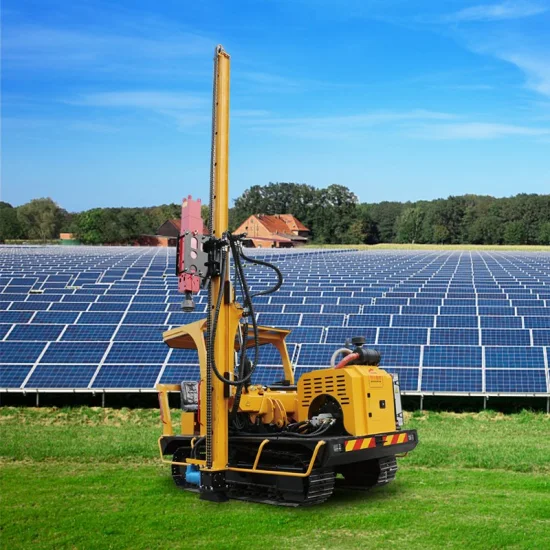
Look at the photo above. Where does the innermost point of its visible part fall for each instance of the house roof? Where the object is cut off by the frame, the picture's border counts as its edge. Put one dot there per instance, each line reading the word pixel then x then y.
pixel 177 224
pixel 283 224
pixel 294 223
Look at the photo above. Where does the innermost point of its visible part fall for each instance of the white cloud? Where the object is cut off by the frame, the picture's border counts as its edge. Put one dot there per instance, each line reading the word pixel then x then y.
pixel 536 67
pixel 38 47
pixel 144 99
pixel 497 12
pixel 477 131
pixel 342 126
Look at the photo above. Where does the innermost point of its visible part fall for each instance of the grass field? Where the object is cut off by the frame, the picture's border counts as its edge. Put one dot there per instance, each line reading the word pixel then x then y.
pixel 449 247
pixel 90 478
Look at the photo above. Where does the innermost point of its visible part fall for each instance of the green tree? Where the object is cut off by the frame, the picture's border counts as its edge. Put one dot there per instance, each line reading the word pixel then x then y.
pixel 409 225
pixel 515 233
pixel 41 219
pixel 10 228
pixel 384 215
pixel 544 233
pixel 485 230
pixel 441 234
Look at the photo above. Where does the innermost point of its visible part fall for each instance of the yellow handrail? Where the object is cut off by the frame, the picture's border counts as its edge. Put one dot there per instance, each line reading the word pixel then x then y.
pixel 279 472
pixel 254 469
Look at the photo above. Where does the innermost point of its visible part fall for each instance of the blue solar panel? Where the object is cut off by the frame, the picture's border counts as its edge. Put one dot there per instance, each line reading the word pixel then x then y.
pixel 61 376
pixel 100 318
pixel 176 319
pixel 500 322
pixel 143 333
pixel 29 306
pixel 159 308
pixel 35 332
pixel 20 352
pixel 408 378
pixel 512 381
pixel 541 337
pixel 268 308
pixel 533 311
pixel 148 319
pixel 71 306
pixel 414 320
pixel 309 335
pixel 56 317
pixel 268 375
pixel 269 355
pixel 15 316
pixel 381 310
pixel 83 333
pixel 403 336
pixel 495 310
pixel 399 356
pixel 456 321
pixel 346 309
pixel 458 310
pixel 452 380
pixel 455 356
pixel 4 330
pixel 74 352
pixel 137 353
pixel 184 357
pixel 108 306
pixel 453 337
pixel 420 310
pixel 514 357
pixel 82 298
pixel 126 376
pixel 303 308
pixel 505 337
pixel 369 320
pixel 315 354
pixel 339 335
pixel 12 376
pixel 530 322
pixel 177 374
pixel 46 297
pixel 323 319
pixel 279 319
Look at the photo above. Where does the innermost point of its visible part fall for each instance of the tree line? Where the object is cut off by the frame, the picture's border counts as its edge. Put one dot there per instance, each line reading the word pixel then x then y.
pixel 333 214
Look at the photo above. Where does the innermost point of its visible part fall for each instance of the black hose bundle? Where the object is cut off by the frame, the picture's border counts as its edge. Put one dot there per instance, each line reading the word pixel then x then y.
pixel 246 368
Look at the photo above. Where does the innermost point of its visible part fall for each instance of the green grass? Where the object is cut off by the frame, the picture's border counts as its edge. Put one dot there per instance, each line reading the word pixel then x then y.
pixel 90 478
pixel 409 246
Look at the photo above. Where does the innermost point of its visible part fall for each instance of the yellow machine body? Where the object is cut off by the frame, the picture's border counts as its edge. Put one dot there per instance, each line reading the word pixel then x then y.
pixel 365 395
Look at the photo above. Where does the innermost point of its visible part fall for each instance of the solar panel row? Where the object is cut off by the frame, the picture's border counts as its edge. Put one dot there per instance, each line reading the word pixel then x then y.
pixel 446 322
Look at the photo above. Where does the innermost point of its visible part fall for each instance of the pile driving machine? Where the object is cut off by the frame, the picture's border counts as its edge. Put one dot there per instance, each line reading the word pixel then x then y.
pixel 287 443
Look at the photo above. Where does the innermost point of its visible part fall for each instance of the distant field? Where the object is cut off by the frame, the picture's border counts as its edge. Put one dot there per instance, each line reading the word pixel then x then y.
pixel 90 478
pixel 473 247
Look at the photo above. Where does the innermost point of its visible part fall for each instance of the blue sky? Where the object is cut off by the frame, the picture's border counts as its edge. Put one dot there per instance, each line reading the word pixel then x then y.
pixel 107 103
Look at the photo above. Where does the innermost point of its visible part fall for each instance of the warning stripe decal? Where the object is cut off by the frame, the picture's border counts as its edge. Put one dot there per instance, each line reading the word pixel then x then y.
pixel 370 442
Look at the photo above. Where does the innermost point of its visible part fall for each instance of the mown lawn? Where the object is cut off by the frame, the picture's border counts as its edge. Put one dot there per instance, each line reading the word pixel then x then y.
pixel 89 478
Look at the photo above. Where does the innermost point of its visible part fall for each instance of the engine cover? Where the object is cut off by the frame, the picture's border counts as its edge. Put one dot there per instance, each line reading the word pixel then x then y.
pixel 365 395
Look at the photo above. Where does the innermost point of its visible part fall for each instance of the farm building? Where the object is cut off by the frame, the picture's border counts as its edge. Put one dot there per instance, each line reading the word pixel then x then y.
pixel 276 231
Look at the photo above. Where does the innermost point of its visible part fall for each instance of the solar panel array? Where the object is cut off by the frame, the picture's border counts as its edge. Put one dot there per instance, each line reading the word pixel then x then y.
pixel 91 318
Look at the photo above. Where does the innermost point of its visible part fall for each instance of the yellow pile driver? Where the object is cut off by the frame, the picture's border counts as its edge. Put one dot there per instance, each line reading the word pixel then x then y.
pixel 287 443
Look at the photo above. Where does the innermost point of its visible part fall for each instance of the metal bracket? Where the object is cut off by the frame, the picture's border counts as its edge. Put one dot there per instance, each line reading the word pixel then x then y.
pixel 201 259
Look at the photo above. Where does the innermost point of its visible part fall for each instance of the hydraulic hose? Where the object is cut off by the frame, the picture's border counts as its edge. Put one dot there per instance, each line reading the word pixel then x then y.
pixel 347 360
pixel 212 338
pixel 345 351
pixel 256 261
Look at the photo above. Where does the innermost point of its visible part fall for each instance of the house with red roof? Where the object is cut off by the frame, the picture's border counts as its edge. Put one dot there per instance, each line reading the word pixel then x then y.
pixel 274 231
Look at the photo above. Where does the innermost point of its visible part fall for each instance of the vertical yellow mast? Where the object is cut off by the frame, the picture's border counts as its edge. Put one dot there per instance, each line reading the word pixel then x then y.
pixel 216 392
